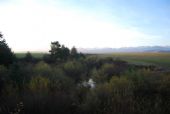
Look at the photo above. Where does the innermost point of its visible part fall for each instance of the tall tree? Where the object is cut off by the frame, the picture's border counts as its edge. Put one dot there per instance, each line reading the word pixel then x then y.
pixel 59 52
pixel 6 55
pixel 65 52
pixel 28 57
pixel 73 52
pixel 55 48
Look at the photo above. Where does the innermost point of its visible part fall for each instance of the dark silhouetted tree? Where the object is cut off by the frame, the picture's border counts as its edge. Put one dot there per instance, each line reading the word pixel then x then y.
pixel 75 55
pixel 73 52
pixel 65 52
pixel 59 52
pixel 28 57
pixel 6 55
pixel 55 49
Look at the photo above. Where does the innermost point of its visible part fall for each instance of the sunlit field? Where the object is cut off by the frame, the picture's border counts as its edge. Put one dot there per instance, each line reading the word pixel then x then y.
pixel 158 59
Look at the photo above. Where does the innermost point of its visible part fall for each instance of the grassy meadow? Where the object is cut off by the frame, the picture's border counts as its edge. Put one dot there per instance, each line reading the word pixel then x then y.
pixel 154 58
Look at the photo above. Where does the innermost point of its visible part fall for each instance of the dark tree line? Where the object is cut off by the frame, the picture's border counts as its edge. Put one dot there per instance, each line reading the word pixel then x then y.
pixel 6 55
pixel 60 52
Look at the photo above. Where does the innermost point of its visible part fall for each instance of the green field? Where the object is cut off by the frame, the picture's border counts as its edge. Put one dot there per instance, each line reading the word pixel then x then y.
pixel 159 59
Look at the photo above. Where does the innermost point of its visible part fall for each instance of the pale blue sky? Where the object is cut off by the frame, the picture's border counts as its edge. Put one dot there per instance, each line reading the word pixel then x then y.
pixel 30 25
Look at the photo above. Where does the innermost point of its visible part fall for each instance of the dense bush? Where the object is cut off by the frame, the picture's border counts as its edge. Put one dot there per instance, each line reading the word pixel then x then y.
pixel 57 85
pixel 74 69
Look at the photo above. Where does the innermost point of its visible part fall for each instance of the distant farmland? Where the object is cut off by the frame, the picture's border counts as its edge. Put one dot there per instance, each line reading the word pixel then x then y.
pixel 159 59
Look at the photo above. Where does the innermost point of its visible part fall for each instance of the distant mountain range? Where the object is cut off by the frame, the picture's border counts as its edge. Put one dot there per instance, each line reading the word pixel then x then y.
pixel 126 49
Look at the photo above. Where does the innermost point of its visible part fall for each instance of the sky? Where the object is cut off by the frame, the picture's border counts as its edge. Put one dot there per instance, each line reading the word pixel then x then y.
pixel 31 25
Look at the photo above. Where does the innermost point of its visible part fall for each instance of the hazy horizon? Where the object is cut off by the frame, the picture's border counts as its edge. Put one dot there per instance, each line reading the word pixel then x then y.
pixel 31 25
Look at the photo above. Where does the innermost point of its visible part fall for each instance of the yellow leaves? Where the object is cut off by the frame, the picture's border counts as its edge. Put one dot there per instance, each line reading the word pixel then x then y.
pixel 121 86
pixel 39 83
pixel 42 69
pixel 117 86
pixel 42 66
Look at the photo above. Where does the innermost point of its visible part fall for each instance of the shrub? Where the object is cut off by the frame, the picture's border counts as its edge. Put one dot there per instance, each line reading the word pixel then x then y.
pixel 42 69
pixel 74 69
pixel 39 84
